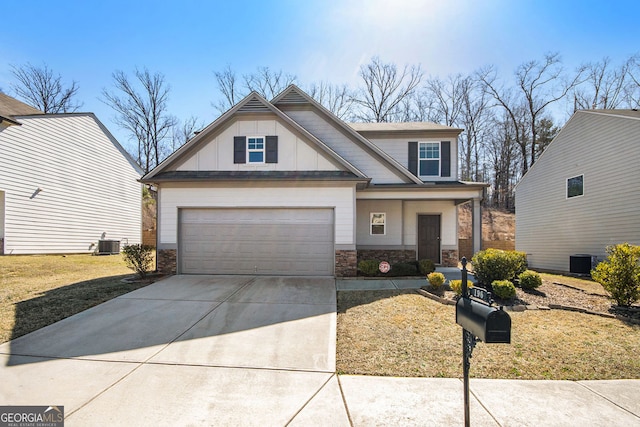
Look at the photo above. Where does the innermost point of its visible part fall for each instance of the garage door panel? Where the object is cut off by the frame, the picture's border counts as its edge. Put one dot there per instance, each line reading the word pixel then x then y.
pixel 256 241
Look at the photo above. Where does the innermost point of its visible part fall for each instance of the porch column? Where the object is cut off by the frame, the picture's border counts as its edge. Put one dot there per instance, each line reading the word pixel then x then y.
pixel 476 224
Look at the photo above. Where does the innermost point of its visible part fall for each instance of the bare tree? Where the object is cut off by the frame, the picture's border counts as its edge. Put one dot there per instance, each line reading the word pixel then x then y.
pixel 42 89
pixel 632 90
pixel 385 89
pixel 501 155
pixel 143 112
pixel 539 84
pixel 228 87
pixel 604 86
pixel 476 118
pixel 335 98
pixel 268 83
pixel 183 131
pixel 447 97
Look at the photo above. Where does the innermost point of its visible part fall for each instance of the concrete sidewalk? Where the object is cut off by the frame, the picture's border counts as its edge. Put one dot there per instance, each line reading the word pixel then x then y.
pixel 380 283
pixel 244 351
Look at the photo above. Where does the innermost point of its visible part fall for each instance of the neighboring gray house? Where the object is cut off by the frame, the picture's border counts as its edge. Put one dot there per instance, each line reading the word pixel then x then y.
pixel 285 187
pixel 65 183
pixel 583 192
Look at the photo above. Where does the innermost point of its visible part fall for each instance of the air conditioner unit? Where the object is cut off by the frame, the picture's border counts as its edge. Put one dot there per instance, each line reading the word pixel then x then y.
pixel 108 247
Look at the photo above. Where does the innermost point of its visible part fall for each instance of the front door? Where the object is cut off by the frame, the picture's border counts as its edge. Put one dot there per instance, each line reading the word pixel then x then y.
pixel 429 237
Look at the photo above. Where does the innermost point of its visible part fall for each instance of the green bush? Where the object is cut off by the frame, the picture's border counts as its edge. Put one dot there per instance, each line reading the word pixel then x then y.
pixel 138 258
pixel 496 264
pixel 436 279
pixel 619 274
pixel 503 289
pixel 368 267
pixel 426 266
pixel 403 269
pixel 529 279
pixel 456 286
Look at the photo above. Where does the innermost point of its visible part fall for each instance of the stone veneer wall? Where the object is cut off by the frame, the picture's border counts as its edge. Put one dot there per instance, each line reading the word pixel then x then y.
pixel 167 261
pixel 449 258
pixel 392 256
pixel 346 263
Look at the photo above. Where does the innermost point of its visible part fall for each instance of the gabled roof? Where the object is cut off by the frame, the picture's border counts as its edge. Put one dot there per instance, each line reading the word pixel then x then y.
pixel 10 107
pixel 251 104
pixel 293 95
pixel 401 126
pixel 627 114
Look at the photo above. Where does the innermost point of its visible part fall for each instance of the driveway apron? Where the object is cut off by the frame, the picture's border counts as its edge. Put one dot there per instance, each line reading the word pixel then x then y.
pixel 188 350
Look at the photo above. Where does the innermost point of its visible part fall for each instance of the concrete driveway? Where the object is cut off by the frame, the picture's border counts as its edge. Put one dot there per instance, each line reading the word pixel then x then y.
pixel 188 350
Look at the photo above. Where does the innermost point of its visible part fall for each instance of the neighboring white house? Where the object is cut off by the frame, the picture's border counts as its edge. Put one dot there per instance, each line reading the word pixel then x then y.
pixel 583 192
pixel 285 187
pixel 65 183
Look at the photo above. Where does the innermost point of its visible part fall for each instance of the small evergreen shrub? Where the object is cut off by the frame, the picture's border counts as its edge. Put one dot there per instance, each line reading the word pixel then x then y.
pixel 619 274
pixel 529 279
pixel 426 266
pixel 503 289
pixel 496 264
pixel 138 258
pixel 456 286
pixel 368 267
pixel 436 279
pixel 403 269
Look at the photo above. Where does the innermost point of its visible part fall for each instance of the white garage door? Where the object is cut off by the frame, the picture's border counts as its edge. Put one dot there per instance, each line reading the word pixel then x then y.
pixel 256 241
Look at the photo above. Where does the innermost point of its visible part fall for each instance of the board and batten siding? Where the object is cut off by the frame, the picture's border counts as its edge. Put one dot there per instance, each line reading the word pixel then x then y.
pixel 173 196
pixel 347 148
pixel 66 184
pixel 550 227
pixel 398 149
pixel 294 153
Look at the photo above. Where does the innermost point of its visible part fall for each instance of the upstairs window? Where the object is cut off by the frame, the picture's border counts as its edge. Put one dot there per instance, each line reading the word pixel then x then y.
pixel 429 158
pixel 255 149
pixel 575 186
pixel 378 223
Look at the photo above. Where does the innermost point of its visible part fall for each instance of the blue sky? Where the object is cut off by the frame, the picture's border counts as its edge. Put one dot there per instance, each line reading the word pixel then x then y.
pixel 315 40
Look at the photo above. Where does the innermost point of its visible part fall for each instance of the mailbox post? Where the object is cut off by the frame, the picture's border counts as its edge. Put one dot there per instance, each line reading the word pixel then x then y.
pixel 480 321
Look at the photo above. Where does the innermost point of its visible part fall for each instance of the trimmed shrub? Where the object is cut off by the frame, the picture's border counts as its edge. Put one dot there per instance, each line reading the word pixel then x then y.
pixel 369 267
pixel 496 264
pixel 138 258
pixel 426 266
pixel 619 274
pixel 529 279
pixel 436 279
pixel 503 289
pixel 403 269
pixel 456 286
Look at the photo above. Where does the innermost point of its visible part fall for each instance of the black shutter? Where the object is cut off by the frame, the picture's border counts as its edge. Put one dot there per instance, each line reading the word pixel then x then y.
pixel 271 154
pixel 445 158
pixel 239 149
pixel 413 157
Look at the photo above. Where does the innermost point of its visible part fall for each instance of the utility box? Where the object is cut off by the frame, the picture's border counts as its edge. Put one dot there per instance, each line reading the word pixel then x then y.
pixel 489 324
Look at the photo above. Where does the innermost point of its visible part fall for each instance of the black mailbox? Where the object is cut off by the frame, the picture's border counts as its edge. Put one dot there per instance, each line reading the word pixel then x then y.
pixel 489 324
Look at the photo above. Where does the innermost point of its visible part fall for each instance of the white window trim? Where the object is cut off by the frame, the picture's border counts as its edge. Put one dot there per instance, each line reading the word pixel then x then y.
pixel 384 223
pixel 567 187
pixel 439 158
pixel 254 150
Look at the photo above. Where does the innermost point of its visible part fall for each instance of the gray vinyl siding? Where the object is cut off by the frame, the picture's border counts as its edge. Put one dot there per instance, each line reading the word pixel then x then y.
pixel 88 186
pixel 551 227
pixel 398 149
pixel 349 149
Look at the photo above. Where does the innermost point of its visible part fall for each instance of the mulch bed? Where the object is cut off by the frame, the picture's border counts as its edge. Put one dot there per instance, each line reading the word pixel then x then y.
pixel 553 295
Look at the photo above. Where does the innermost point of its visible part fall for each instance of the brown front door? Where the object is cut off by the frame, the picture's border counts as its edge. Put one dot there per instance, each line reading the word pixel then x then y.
pixel 429 237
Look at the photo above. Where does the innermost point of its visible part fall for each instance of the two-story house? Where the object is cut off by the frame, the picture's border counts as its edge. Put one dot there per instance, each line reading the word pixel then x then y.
pixel 285 187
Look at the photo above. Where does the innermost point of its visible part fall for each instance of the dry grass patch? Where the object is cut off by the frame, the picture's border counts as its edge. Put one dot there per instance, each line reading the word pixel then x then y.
pixel 38 290
pixel 586 285
pixel 401 333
